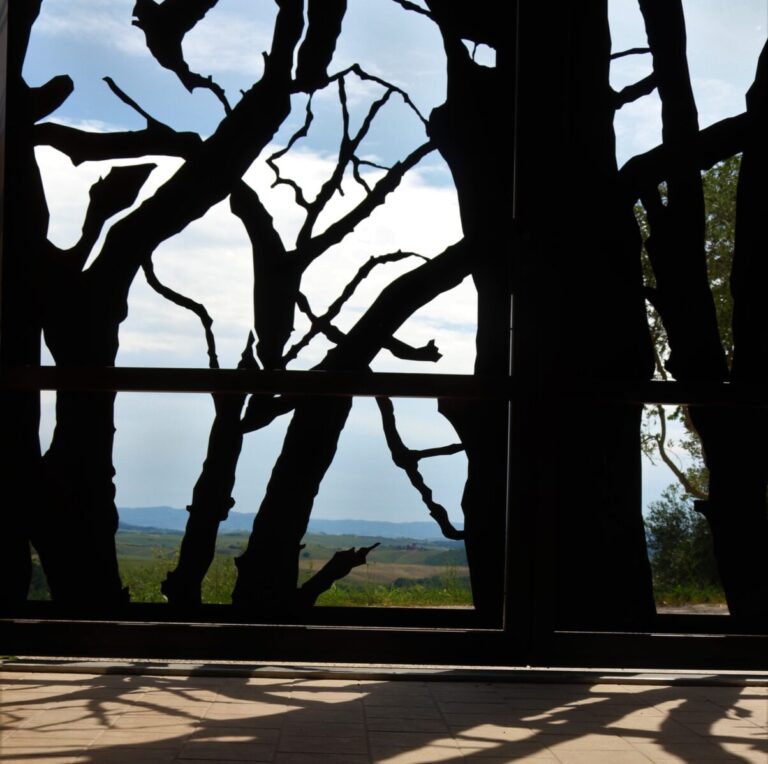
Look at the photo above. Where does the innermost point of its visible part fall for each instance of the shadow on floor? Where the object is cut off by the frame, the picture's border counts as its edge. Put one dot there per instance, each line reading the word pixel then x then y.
pixel 56 718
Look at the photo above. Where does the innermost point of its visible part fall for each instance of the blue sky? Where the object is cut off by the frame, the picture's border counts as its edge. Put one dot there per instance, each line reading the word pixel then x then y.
pixel 161 440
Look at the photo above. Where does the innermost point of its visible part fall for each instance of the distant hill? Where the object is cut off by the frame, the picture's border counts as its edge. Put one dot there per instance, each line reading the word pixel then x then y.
pixel 170 518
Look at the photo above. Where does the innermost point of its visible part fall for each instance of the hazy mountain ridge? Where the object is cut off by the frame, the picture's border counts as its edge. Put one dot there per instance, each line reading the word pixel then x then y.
pixel 173 519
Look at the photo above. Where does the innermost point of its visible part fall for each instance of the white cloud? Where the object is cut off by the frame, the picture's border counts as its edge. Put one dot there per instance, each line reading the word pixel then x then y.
pixel 638 127
pixel 89 125
pixel 228 42
pixel 716 99
pixel 210 261
pixel 105 22
pixel 224 41
pixel 161 439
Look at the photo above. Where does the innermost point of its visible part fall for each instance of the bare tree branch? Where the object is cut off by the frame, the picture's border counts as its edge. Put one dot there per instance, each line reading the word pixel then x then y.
pixel 415 8
pixel 49 97
pixel 357 164
pixel 275 276
pixel 347 149
pixel 404 458
pixel 262 410
pixel 713 144
pixel 628 52
pixel 398 348
pixel 335 569
pixel 317 48
pixel 635 91
pixel 426 453
pixel 185 302
pixel 128 101
pixel 211 496
pixel 363 75
pixel 406 352
pixel 83 146
pixel 301 200
pixel 164 27
pixel 661 440
pixel 108 196
pixel 336 306
pixel 337 231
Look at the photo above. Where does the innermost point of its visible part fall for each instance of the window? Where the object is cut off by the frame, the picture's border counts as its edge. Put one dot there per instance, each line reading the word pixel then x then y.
pixel 282 285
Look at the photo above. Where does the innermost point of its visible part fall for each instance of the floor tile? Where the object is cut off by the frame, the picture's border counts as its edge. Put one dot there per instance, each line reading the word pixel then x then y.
pixel 329 744
pixel 423 755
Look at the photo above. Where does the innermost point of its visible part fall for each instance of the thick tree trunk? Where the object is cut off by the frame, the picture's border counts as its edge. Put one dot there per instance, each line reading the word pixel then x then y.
pixel 268 569
pixel 76 535
pixel 470 130
pixel 580 264
pixel 737 491
pixel 78 494
pixel 25 218
pixel 211 502
pixel 736 459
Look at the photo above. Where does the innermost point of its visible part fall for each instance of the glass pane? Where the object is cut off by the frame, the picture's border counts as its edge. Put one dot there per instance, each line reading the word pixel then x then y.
pixel 365 500
pixel 685 571
pixel 199 204
pixel 349 193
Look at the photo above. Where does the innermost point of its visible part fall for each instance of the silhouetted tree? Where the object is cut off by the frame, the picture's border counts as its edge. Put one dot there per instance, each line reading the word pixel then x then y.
pixel 735 455
pixel 587 486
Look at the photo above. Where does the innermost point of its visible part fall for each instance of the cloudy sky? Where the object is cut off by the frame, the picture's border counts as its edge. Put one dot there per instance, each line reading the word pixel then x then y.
pixel 161 439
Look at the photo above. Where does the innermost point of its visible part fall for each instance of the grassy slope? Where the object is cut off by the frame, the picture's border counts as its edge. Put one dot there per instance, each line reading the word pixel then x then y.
pixel 400 571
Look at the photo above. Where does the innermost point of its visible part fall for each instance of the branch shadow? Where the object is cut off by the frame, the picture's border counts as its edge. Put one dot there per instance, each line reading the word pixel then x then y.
pixel 130 718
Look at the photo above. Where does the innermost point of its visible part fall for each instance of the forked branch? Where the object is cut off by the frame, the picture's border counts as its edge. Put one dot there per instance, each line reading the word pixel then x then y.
pixel 339 566
pixel 335 307
pixel 404 458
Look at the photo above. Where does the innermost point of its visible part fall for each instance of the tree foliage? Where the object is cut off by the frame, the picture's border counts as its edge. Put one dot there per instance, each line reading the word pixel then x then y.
pixel 680 544
pixel 668 433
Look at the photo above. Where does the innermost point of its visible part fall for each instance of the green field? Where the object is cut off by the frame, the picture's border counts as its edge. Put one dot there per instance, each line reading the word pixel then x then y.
pixel 400 572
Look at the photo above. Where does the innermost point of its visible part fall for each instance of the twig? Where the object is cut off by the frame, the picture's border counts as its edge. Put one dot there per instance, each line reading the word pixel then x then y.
pixel 336 232
pixel 398 348
pixel 185 302
pixel 128 101
pixel 426 453
pixel 335 307
pixel 335 569
pixel 678 473
pixel 363 75
pixel 633 92
pixel 404 458
pixel 272 159
pixel 358 163
pixel 628 52
pixel 347 149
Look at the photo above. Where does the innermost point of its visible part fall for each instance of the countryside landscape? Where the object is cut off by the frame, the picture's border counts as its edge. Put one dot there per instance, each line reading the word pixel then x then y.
pixel 410 567
pixel 401 572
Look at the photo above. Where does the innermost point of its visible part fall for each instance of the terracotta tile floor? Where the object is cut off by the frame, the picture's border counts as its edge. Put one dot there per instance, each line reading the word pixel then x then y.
pixel 76 717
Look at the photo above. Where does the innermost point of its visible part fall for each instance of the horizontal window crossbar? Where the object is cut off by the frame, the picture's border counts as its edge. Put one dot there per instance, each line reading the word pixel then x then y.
pixel 314 383
pixel 310 383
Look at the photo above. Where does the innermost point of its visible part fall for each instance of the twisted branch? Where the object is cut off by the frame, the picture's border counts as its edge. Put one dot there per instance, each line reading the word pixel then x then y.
pixel 404 458
pixel 398 348
pixel 335 307
pixel 302 132
pixel 185 302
